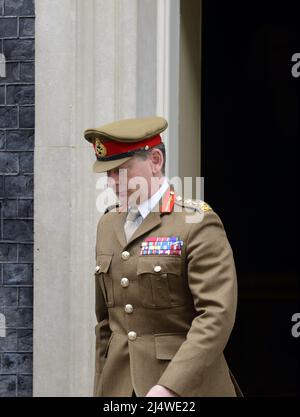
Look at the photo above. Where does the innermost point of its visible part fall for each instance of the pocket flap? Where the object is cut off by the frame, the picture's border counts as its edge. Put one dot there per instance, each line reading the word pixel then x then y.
pixel 167 344
pixel 104 261
pixel 148 264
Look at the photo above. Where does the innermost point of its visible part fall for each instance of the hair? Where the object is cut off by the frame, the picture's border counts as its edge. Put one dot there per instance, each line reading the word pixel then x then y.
pixel 144 154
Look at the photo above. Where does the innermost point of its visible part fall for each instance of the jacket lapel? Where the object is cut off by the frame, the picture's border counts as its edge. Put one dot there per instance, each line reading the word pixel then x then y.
pixel 164 205
pixel 118 225
pixel 150 222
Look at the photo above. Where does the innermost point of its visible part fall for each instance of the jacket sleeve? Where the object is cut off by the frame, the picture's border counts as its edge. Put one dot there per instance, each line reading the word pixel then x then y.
pixel 213 285
pixel 102 328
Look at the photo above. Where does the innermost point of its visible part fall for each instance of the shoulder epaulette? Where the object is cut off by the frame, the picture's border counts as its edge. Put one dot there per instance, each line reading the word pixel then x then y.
pixel 112 206
pixel 193 204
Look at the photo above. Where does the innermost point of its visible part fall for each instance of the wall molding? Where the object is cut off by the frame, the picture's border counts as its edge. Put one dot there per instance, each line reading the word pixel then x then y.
pixel 168 67
pixel 88 70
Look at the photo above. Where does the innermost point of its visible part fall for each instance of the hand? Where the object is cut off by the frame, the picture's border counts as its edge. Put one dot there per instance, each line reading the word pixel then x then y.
pixel 160 391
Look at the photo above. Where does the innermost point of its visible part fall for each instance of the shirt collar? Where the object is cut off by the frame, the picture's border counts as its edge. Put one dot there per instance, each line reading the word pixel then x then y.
pixel 146 206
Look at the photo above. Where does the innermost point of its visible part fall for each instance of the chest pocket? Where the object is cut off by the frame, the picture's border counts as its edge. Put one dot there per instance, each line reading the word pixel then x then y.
pixel 160 280
pixel 105 277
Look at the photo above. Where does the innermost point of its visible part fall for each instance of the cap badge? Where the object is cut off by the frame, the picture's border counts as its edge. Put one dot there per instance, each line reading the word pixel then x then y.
pixel 100 149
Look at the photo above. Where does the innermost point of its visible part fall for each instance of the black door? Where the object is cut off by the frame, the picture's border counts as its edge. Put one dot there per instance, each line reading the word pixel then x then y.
pixel 250 162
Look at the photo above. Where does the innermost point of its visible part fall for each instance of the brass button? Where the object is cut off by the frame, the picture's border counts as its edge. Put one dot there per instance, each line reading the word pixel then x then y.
pixel 157 268
pixel 128 308
pixel 124 282
pixel 132 335
pixel 97 269
pixel 125 255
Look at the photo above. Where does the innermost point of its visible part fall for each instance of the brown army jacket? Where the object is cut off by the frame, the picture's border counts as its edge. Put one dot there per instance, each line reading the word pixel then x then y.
pixel 181 312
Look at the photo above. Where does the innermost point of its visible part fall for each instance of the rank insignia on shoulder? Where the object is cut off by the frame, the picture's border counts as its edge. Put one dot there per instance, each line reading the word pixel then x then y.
pixel 163 245
pixel 111 207
pixel 193 204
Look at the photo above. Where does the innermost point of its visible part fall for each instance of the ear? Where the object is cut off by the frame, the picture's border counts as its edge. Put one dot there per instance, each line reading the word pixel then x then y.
pixel 156 160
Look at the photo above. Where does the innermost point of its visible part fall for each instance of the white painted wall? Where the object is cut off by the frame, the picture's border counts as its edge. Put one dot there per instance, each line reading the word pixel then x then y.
pixel 90 70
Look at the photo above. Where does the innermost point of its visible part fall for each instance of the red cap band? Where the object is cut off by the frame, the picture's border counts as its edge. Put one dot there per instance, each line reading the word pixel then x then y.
pixel 107 150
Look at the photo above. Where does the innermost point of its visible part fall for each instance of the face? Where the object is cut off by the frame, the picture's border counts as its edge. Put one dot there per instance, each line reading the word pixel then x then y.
pixel 137 179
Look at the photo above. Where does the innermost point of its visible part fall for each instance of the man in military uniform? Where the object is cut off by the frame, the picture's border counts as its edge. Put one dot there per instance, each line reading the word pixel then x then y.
pixel 166 290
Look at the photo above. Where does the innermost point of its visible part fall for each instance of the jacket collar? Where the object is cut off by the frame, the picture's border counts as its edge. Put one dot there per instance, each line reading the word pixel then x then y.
pixel 152 220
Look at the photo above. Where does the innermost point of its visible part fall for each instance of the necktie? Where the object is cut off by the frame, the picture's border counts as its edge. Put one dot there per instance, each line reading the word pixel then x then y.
pixel 131 223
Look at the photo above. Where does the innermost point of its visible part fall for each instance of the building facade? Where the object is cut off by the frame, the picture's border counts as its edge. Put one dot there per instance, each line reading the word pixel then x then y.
pixel 16 198
pixel 95 61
